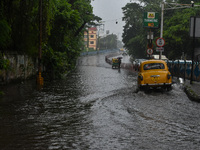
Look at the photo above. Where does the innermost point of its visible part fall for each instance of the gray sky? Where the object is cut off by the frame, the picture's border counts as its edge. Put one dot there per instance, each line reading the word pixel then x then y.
pixel 111 11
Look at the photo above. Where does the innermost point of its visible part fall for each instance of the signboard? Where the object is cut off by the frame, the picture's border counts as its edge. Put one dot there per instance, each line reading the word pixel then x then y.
pixel 149 51
pixel 160 42
pixel 159 49
pixel 195 27
pixel 151 20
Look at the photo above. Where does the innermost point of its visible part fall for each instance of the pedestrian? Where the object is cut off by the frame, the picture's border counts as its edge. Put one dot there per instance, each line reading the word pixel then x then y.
pixel 119 62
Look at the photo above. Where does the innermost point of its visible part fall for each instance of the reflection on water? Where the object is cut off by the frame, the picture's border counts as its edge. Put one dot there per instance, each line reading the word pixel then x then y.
pixel 53 118
pixel 96 107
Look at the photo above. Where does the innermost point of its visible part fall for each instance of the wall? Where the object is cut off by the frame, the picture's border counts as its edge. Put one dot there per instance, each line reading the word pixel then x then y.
pixel 99 52
pixel 21 67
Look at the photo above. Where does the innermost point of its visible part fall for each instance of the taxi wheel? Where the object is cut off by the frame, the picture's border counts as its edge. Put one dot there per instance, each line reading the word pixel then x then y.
pixel 141 88
pixel 147 88
pixel 169 88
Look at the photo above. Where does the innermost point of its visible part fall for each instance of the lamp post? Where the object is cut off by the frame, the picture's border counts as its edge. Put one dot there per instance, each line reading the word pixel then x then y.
pixel 161 26
pixel 40 79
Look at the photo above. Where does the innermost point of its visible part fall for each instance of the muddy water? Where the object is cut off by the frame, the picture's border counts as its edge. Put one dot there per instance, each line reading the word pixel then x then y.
pixel 97 108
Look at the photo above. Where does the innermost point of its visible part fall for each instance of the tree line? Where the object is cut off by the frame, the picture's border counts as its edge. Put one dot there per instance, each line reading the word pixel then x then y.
pixel 110 41
pixel 176 28
pixel 63 25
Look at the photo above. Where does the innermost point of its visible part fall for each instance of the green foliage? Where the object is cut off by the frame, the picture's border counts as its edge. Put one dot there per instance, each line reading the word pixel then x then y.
pixel 4 63
pixel 2 93
pixel 66 23
pixel 55 62
pixel 65 40
pixel 5 36
pixel 134 33
pixel 176 33
pixel 63 23
pixel 176 28
pixel 108 42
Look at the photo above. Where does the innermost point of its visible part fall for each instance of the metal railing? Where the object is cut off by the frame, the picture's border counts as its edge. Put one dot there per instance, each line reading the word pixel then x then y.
pixel 183 69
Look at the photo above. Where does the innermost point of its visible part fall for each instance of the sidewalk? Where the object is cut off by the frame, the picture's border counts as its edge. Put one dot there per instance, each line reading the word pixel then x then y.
pixel 192 90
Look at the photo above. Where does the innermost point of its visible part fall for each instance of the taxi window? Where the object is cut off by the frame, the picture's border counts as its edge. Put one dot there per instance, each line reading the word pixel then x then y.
pixel 154 66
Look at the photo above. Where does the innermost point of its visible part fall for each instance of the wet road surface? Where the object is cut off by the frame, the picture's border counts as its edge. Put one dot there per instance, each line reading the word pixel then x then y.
pixel 97 108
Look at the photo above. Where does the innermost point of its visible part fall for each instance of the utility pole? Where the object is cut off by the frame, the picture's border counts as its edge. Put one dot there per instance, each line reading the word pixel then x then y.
pixel 172 6
pixel 161 26
pixel 192 70
pixel 162 16
pixel 40 79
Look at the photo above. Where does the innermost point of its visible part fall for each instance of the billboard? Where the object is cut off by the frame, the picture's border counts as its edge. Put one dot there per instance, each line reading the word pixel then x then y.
pixel 151 20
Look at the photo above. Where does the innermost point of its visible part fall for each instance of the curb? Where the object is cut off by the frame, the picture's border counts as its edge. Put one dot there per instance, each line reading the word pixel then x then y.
pixel 191 94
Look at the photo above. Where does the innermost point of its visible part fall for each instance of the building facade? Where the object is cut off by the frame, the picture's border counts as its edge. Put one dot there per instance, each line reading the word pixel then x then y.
pixel 90 38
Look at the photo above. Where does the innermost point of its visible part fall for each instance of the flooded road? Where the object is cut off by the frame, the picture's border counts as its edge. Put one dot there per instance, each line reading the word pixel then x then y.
pixel 97 108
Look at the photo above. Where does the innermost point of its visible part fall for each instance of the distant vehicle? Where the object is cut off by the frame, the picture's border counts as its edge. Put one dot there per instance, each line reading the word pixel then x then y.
pixel 154 74
pixel 136 63
pixel 163 57
pixel 116 62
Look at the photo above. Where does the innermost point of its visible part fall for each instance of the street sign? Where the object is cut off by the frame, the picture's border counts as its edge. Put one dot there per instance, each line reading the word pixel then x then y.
pixel 150 51
pixel 159 49
pixel 151 20
pixel 160 42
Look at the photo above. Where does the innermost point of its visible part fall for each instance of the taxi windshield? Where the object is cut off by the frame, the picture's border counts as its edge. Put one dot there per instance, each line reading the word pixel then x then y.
pixel 154 66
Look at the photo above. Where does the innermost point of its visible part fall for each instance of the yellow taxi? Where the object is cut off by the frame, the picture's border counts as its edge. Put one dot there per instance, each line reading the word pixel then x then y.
pixel 153 74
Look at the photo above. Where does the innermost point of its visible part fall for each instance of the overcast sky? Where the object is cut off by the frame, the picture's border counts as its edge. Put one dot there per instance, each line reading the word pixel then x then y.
pixel 111 12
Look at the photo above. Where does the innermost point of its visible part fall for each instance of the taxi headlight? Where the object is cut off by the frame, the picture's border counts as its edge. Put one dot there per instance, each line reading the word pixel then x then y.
pixel 140 77
pixel 169 76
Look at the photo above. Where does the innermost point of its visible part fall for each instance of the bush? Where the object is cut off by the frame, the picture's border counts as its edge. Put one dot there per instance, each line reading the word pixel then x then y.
pixel 4 63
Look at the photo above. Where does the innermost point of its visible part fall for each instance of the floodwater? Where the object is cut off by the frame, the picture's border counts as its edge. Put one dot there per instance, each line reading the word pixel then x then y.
pixel 97 108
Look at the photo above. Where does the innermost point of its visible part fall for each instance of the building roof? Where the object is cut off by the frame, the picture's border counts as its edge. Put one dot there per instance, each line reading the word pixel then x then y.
pixel 93 29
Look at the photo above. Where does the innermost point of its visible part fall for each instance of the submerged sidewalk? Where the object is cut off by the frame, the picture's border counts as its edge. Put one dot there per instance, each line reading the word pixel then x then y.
pixel 192 90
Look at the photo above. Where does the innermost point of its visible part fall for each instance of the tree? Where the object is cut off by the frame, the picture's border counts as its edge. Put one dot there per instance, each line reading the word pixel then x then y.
pixel 108 42
pixel 133 35
pixel 63 23
pixel 5 31
pixel 176 28
pixel 66 37
pixel 176 33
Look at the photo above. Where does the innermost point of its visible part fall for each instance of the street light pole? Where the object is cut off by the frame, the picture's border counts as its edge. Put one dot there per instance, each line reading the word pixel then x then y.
pixel 161 26
pixel 162 15
pixel 176 6
pixel 39 77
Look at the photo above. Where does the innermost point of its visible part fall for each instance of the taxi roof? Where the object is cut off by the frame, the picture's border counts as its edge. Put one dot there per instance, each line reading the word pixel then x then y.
pixel 153 61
